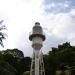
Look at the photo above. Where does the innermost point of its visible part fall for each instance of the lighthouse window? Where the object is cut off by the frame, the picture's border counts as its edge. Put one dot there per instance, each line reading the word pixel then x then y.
pixel 37 29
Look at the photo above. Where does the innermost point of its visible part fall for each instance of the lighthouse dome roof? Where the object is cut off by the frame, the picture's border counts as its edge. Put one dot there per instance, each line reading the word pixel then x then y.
pixel 37 28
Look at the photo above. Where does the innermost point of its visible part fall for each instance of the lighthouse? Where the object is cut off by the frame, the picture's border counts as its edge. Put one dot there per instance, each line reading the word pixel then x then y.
pixel 37 37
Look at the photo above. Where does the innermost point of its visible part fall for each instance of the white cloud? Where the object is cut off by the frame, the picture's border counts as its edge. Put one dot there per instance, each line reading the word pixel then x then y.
pixel 61 26
pixel 72 13
pixel 20 16
pixel 57 5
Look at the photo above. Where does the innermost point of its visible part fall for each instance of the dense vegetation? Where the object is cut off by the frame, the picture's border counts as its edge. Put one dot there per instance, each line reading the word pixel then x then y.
pixel 58 61
pixel 13 62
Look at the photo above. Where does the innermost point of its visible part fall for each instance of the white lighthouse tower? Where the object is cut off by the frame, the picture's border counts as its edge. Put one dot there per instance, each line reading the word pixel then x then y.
pixel 37 37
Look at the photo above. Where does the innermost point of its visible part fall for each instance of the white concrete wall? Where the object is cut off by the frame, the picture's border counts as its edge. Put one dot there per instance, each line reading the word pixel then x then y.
pixel 37 42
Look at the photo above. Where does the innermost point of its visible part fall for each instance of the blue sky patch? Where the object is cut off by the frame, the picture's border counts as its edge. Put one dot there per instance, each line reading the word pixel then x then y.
pixel 58 6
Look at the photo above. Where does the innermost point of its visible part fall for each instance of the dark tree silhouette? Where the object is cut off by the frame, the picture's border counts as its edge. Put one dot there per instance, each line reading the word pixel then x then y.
pixel 2 35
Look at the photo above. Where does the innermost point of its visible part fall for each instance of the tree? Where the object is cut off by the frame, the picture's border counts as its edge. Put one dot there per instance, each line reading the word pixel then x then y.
pixel 14 52
pixel 16 59
pixel 24 65
pixel 59 58
pixel 2 35
pixel 6 69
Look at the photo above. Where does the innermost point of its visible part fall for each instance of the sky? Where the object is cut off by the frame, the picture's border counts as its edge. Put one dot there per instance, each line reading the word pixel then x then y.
pixel 57 18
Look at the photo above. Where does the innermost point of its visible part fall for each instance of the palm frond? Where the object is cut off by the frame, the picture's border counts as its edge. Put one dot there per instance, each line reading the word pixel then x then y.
pixel 2 35
pixel 1 22
pixel 1 43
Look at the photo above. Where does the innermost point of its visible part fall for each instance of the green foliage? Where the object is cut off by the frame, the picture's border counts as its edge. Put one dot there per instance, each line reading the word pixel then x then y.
pixel 6 69
pixel 24 65
pixel 14 52
pixel 59 61
pixel 13 62
pixel 59 57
